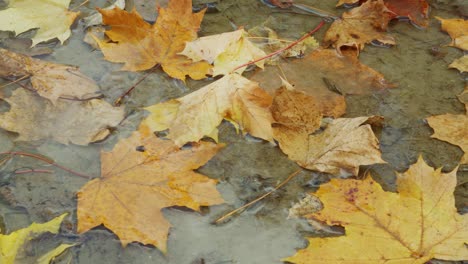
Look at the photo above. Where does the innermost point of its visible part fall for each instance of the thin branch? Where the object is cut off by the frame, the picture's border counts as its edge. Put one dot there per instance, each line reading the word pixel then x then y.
pixel 320 25
pixel 24 171
pixel 118 101
pixel 233 212
pixel 46 160
pixel 15 81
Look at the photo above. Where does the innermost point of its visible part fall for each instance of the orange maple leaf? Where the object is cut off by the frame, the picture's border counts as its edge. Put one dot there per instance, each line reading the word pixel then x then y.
pixel 135 185
pixel 141 45
pixel 416 10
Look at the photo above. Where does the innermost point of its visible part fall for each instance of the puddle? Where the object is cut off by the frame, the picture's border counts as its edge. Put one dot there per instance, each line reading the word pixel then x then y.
pixel 247 167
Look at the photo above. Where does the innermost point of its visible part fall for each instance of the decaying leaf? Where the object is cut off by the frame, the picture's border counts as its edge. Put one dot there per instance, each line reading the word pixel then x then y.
pixel 198 114
pixel 226 51
pixel 416 10
pixel 460 64
pixel 10 244
pixel 361 25
pixel 458 31
pixel 141 45
pixel 418 223
pixel 136 185
pixel 344 145
pixel 50 80
pixel 78 122
pixel 452 129
pixel 51 18
pixel 321 74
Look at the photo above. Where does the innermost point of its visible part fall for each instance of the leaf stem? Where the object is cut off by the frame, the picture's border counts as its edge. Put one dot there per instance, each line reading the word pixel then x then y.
pixel 320 25
pixel 226 216
pixel 46 160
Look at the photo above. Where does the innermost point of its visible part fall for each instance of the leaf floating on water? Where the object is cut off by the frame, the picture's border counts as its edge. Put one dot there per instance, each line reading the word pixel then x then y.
pixel 418 223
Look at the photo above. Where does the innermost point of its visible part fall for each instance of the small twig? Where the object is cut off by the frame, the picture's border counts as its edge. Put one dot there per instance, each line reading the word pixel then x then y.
pixel 46 160
pixel 226 216
pixel 82 4
pixel 15 81
pixel 24 171
pixel 118 101
pixel 320 25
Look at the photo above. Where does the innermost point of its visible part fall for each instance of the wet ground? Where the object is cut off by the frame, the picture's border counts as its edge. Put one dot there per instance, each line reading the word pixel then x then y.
pixel 247 167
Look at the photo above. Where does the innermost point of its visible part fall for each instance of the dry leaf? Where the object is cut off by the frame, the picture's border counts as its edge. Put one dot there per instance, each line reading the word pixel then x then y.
pixel 197 114
pixel 347 2
pixel 10 244
pixel 226 51
pixel 51 18
pixel 452 129
pixel 361 25
pixel 458 31
pixel 78 122
pixel 460 64
pixel 136 185
pixel 416 10
pixel 418 223
pixel 141 45
pixel 50 80
pixel 344 145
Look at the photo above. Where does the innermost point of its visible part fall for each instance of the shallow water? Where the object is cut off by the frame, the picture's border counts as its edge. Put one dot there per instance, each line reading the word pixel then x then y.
pixel 247 167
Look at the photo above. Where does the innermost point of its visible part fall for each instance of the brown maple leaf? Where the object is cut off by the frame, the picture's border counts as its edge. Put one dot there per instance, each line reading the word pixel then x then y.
pixel 140 177
pixel 416 10
pixel 78 122
pixel 50 80
pixel 412 226
pixel 321 74
pixel 361 25
pixel 141 45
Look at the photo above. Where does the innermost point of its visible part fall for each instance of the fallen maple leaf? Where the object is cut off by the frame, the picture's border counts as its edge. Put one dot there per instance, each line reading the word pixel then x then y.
pixel 78 122
pixel 416 10
pixel 50 80
pixel 460 64
pixel 458 31
pixel 344 145
pixel 198 114
pixel 452 129
pixel 321 74
pixel 141 45
pixel 136 185
pixel 463 97
pixel 359 26
pixel 418 223
pixel 226 51
pixel 10 244
pixel 52 19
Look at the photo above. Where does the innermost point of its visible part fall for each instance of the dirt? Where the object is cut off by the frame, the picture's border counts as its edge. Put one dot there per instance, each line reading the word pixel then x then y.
pixel 247 167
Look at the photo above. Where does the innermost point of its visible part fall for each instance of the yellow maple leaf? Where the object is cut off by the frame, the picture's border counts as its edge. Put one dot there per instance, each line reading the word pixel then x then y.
pixel 418 223
pixel 141 45
pixel 452 129
pixel 226 51
pixel 135 185
pixel 10 244
pixel 51 17
pixel 198 114
pixel 457 28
